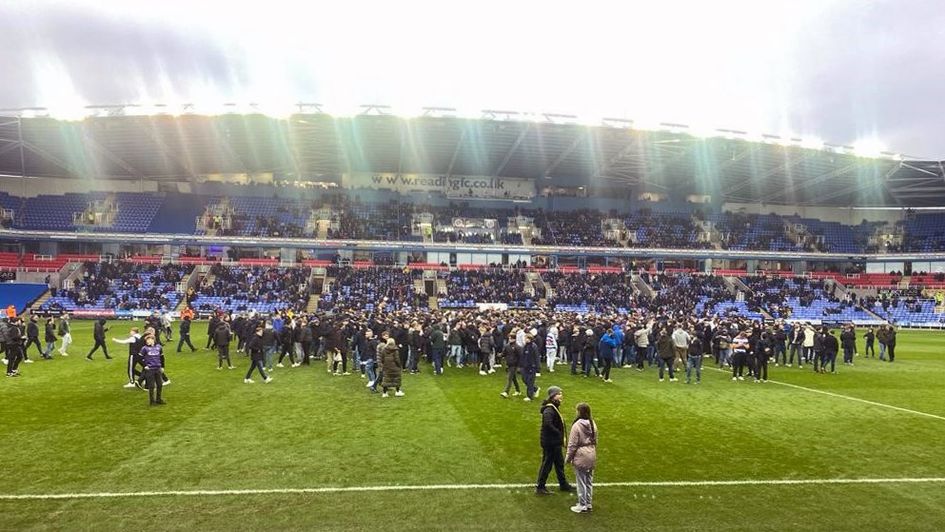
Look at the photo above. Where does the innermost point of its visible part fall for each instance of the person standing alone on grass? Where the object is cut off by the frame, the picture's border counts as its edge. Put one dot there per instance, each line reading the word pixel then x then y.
pixel 552 441
pixel 153 358
pixel 582 454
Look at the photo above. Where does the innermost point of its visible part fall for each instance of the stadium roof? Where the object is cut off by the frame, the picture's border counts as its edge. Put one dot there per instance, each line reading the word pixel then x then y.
pixel 727 164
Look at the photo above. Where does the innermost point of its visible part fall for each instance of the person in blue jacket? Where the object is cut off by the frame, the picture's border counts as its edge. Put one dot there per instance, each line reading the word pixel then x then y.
pixel 605 352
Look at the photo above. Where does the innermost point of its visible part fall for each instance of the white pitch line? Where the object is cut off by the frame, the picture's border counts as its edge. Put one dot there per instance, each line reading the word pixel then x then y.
pixel 446 487
pixel 857 399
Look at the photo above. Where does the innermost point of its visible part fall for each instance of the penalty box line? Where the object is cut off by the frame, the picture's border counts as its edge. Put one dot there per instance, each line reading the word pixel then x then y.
pixel 454 487
pixel 849 398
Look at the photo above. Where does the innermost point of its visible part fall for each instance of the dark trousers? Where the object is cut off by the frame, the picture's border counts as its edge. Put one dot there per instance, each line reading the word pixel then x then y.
pixel 30 342
pixel 848 354
pixel 761 367
pixel 287 349
pixel 738 363
pixel 511 380
pixel 528 377
pixel 256 364
pixel 891 351
pixel 210 343
pixel 99 343
pixel 869 350
pixel 438 360
pixel 133 373
pixel 552 457
pixel 606 372
pixel 185 338
pixel 667 363
pixel 343 362
pixel 223 353
pixel 14 355
pixel 796 349
pixel 155 384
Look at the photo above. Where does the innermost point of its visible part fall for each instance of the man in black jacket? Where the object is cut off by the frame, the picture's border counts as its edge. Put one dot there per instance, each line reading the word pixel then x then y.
pixel 13 348
pixel 98 334
pixel 221 338
pixel 32 337
pixel 552 441
pixel 185 335
pixel 50 338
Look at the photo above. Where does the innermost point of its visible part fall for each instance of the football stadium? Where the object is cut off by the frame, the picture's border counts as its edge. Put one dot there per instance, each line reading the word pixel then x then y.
pixel 251 315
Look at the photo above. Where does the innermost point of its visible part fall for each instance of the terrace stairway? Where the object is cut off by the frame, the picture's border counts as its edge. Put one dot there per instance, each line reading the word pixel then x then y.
pixel 39 301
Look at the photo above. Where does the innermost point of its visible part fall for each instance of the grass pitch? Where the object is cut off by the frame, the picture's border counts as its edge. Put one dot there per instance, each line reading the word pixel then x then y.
pixel 70 427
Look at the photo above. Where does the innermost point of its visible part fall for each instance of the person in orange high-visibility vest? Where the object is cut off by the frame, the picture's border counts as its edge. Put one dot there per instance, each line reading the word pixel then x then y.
pixel 187 313
pixel 11 312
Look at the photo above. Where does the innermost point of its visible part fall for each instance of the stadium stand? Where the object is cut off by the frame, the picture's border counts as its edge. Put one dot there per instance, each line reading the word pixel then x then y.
pixel 20 295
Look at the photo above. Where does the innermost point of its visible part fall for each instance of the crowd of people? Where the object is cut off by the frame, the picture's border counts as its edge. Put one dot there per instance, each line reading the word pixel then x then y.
pixel 123 286
pixel 468 287
pixel 241 286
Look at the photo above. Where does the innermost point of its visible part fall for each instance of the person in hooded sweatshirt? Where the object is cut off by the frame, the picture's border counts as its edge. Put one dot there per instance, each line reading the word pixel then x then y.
pixel 552 441
pixel 582 454
pixel 511 355
pixel 257 352
pixel 98 334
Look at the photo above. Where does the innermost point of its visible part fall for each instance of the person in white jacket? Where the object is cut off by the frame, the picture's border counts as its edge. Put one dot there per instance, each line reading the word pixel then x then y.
pixel 551 347
pixel 582 454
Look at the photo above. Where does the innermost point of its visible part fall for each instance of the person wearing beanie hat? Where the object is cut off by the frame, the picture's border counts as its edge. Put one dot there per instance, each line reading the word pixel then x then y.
pixel 552 442
pixel 530 363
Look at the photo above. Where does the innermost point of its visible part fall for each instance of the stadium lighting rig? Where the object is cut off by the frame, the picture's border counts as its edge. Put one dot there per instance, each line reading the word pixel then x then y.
pixel 870 148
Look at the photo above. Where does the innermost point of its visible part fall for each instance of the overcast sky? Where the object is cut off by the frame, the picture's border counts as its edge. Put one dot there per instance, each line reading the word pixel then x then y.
pixel 844 71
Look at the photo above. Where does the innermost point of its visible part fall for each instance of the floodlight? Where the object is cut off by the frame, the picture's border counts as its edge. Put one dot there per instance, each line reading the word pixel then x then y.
pixel 868 148
pixel 812 143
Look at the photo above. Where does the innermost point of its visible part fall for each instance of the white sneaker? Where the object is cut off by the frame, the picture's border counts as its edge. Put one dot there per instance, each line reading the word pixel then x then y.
pixel 741 378
pixel 661 379
pixel 578 509
pixel 346 373
pixel 4 362
pixel 399 393
pixel 167 382
pixel 28 361
pixel 608 380
pixel 674 379
pixel 734 378
pixel 297 364
pixel 504 394
pixel 538 374
pixel 129 385
pixel 483 373
pixel 279 365
pixel 219 367
pixel 384 394
pixel 526 399
pixel 248 381
pixel 516 394
pixel 491 371
pixel 268 380
pixel 370 384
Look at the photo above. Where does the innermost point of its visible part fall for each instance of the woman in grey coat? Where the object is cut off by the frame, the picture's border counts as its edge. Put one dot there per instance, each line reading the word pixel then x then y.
pixel 582 454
